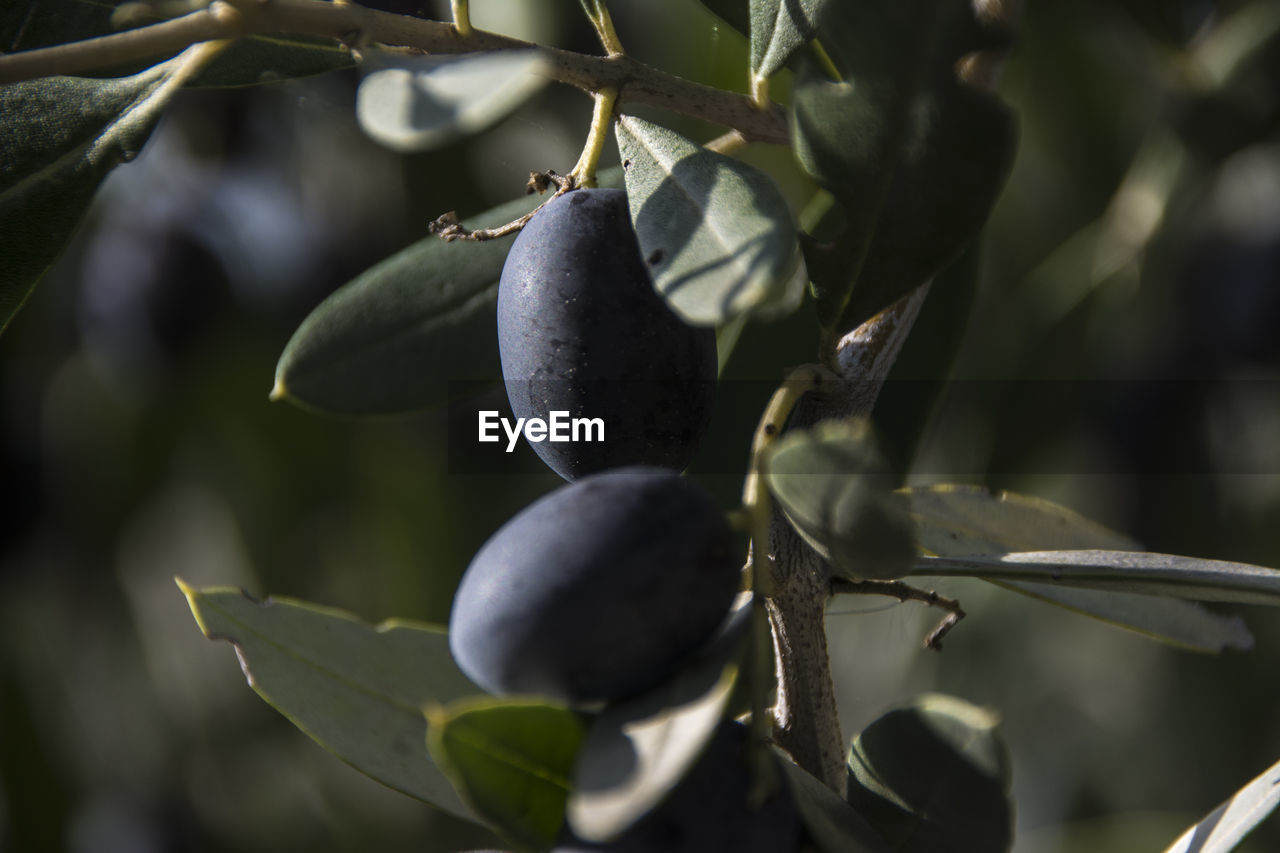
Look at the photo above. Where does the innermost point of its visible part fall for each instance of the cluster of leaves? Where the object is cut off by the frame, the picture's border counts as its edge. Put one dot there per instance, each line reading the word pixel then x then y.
pixel 905 161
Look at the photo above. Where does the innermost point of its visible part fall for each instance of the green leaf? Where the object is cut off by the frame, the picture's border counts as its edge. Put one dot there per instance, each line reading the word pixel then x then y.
pixel 59 137
pixel 415 103
pixel 393 338
pixel 833 487
pixel 915 157
pixel 1228 824
pixel 357 690
pixel 934 778
pixel 1124 571
pixel 833 825
pixel 511 760
pixel 957 521
pixel 779 28
pixel 637 750
pixel 716 233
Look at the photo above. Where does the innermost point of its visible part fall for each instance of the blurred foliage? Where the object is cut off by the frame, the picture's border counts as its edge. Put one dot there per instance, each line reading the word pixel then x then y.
pixel 1122 359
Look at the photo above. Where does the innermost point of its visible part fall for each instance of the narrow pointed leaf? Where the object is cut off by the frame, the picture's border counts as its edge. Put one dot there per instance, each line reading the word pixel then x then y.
pixel 639 749
pixel 511 760
pixel 393 338
pixel 416 103
pixel 1124 571
pixel 717 234
pixel 934 778
pixel 833 487
pixel 958 520
pixel 356 689
pixel 1228 824
pixel 59 137
pixel 1173 621
pixel 778 29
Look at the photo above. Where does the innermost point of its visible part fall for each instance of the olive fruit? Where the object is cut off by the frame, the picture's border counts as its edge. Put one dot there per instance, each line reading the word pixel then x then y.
pixel 597 590
pixel 709 810
pixel 582 331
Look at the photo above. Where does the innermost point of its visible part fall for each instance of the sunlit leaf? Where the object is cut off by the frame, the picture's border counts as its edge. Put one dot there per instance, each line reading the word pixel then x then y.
pixel 1124 571
pixel 59 137
pixel 717 234
pixel 358 690
pixel 955 520
pixel 958 520
pixel 833 825
pixel 511 760
pixel 415 103
pixel 778 29
pixel 1228 824
pixel 934 778
pixel 637 750
pixel 835 490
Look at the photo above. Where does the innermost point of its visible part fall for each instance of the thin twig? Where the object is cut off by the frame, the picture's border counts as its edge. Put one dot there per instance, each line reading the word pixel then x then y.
pixel 349 23
pixel 906 592
pixel 447 226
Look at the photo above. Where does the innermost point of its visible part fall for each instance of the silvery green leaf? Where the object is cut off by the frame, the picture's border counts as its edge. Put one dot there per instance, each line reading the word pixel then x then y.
pixel 637 750
pixel 1228 824
pixel 778 29
pixel 415 103
pixel 1125 571
pixel 716 233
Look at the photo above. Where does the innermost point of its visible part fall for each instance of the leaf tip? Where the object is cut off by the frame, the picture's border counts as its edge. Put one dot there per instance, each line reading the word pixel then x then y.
pixel 278 391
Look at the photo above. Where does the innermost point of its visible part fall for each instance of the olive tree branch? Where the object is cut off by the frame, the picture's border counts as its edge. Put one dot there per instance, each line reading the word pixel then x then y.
pixel 350 24
pixel 806 719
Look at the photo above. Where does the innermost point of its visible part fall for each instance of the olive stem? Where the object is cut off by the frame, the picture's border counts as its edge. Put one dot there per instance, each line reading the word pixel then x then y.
pixel 907 592
pixel 352 24
pixel 757 505
pixel 584 173
pixel 461 16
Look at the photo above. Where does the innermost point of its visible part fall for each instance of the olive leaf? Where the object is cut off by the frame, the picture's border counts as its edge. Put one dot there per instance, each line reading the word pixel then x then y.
pixel 1227 825
pixel 1124 571
pixel 716 233
pixel 59 137
pixel 778 28
pixel 357 689
pixel 416 103
pixel 638 749
pixel 511 760
pixel 934 778
pixel 836 492
pixel 957 521
pixel 393 338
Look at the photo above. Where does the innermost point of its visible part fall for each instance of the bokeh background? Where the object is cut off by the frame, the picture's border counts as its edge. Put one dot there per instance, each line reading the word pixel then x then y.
pixel 1121 356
